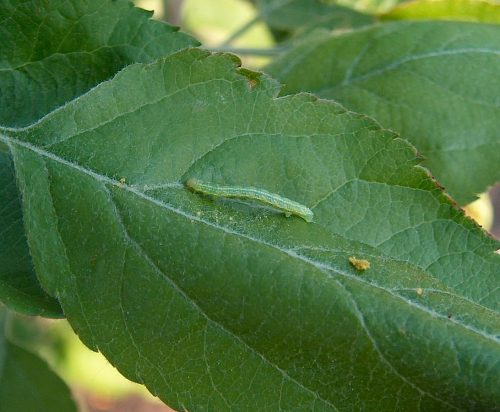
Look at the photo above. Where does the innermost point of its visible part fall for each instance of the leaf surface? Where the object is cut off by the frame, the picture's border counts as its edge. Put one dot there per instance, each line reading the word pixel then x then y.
pixel 26 382
pixel 369 6
pixel 436 83
pixel 19 288
pixel 465 10
pixel 303 16
pixel 53 51
pixel 50 53
pixel 220 305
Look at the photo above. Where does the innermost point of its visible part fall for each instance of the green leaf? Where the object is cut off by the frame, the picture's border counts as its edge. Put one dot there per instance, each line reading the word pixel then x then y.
pixel 54 51
pixel 303 16
pixel 221 305
pixel 370 6
pixel 434 82
pixel 50 53
pixel 27 383
pixel 19 287
pixel 465 10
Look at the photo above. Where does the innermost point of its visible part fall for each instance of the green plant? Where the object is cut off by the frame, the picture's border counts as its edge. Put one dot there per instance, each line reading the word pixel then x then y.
pixel 219 305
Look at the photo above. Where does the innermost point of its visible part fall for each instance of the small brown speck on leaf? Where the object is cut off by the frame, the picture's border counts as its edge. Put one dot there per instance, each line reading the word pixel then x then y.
pixel 252 83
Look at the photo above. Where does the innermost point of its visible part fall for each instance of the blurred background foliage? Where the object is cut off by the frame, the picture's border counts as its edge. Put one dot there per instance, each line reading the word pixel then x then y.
pixel 229 25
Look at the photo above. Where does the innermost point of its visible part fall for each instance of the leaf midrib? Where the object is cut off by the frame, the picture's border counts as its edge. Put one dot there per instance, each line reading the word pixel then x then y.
pixel 133 243
pixel 327 269
pixel 411 58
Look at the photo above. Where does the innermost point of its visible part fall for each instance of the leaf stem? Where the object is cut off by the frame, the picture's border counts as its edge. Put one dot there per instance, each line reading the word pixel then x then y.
pixel 248 25
pixel 273 6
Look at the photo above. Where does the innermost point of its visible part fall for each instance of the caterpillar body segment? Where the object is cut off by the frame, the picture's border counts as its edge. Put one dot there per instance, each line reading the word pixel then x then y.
pixel 288 206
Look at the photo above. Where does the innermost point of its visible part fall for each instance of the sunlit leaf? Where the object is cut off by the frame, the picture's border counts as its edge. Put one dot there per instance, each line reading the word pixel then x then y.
pixel 434 82
pixel 465 10
pixel 221 305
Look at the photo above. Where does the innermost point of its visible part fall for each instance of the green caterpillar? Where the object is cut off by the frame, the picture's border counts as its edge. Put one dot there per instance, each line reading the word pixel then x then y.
pixel 288 206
